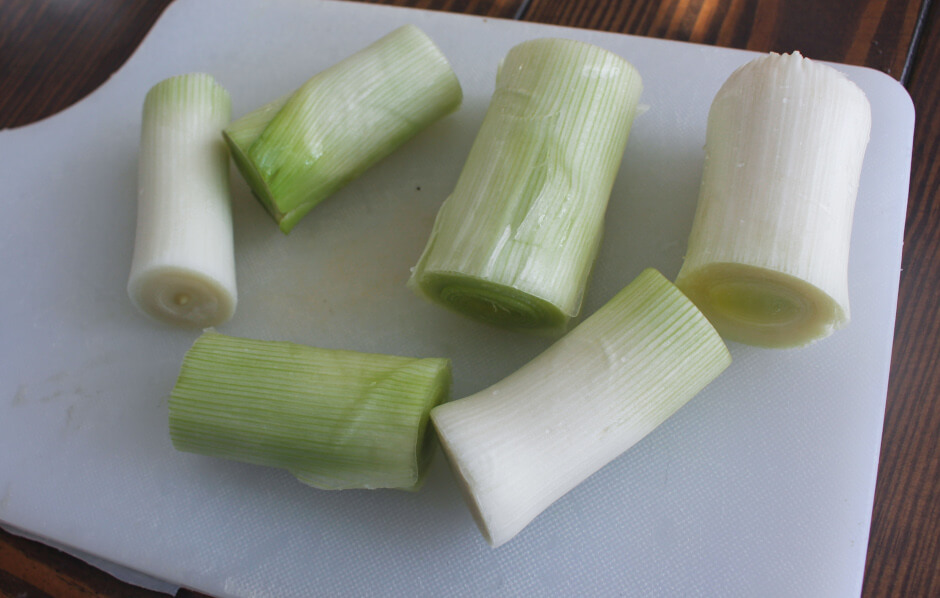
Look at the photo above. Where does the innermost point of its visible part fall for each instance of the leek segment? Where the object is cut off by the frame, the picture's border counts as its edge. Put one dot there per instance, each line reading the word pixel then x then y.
pixel 767 258
pixel 515 242
pixel 241 134
pixel 335 419
pixel 300 149
pixel 519 445
pixel 183 269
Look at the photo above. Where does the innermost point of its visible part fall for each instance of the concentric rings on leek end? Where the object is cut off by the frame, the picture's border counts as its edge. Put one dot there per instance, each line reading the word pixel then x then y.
pixel 493 303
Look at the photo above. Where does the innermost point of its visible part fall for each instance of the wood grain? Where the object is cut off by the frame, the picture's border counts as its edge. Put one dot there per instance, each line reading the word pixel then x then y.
pixel 505 9
pixel 54 52
pixel 904 544
pixel 30 569
pixel 874 33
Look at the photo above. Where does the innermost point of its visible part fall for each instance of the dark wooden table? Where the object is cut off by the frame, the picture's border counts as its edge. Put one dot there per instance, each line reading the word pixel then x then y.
pixel 55 52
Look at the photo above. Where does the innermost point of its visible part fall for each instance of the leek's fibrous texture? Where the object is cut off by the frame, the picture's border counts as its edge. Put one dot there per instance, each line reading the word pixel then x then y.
pixel 240 134
pixel 335 419
pixel 183 269
pixel 767 259
pixel 515 242
pixel 521 444
pixel 342 121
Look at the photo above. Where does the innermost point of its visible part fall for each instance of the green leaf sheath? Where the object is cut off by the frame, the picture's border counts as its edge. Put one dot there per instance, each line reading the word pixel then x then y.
pixel 335 419
pixel 239 136
pixel 342 121
pixel 515 242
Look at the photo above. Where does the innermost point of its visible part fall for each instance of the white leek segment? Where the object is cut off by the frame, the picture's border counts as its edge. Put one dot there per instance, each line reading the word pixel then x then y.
pixel 767 259
pixel 183 269
pixel 335 419
pixel 524 442
pixel 515 242
pixel 342 121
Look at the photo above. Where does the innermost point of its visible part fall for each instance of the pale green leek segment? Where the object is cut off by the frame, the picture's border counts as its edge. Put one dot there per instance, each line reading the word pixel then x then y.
pixel 298 150
pixel 183 269
pixel 519 445
pixel 515 242
pixel 768 253
pixel 335 419
pixel 239 136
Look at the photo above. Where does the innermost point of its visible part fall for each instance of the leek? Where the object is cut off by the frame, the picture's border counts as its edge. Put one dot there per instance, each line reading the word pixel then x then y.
pixel 515 242
pixel 519 445
pixel 767 257
pixel 335 419
pixel 183 269
pixel 342 121
pixel 239 136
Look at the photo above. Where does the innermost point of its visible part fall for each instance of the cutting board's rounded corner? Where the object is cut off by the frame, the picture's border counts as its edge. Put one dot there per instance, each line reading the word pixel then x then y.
pixel 894 91
pixel 127 57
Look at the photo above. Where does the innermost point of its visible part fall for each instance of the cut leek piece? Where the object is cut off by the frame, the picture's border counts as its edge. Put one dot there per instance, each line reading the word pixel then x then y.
pixel 183 269
pixel 342 121
pixel 515 242
pixel 335 419
pixel 767 258
pixel 519 445
pixel 239 136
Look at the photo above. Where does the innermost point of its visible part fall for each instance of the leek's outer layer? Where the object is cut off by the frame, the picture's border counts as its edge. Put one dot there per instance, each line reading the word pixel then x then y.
pixel 767 259
pixel 240 134
pixel 335 419
pixel 343 120
pixel 183 268
pixel 515 242
pixel 521 444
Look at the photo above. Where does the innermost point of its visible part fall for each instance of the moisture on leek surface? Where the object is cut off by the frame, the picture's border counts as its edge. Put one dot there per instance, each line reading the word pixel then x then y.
pixel 335 419
pixel 767 259
pixel 519 445
pixel 298 150
pixel 183 269
pixel 515 242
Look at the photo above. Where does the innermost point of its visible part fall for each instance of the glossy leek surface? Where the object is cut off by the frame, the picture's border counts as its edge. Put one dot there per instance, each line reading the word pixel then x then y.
pixel 294 152
pixel 515 242
pixel 768 254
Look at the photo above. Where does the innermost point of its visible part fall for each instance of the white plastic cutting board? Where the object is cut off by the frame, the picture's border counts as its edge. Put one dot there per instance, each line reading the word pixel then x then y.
pixel 761 486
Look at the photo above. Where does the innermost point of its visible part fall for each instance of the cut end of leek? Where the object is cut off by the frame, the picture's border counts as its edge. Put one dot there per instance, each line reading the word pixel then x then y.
pixel 515 242
pixel 334 419
pixel 251 175
pixel 298 150
pixel 239 136
pixel 519 445
pixel 182 297
pixel 767 259
pixel 762 307
pixel 183 269
pixel 493 303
